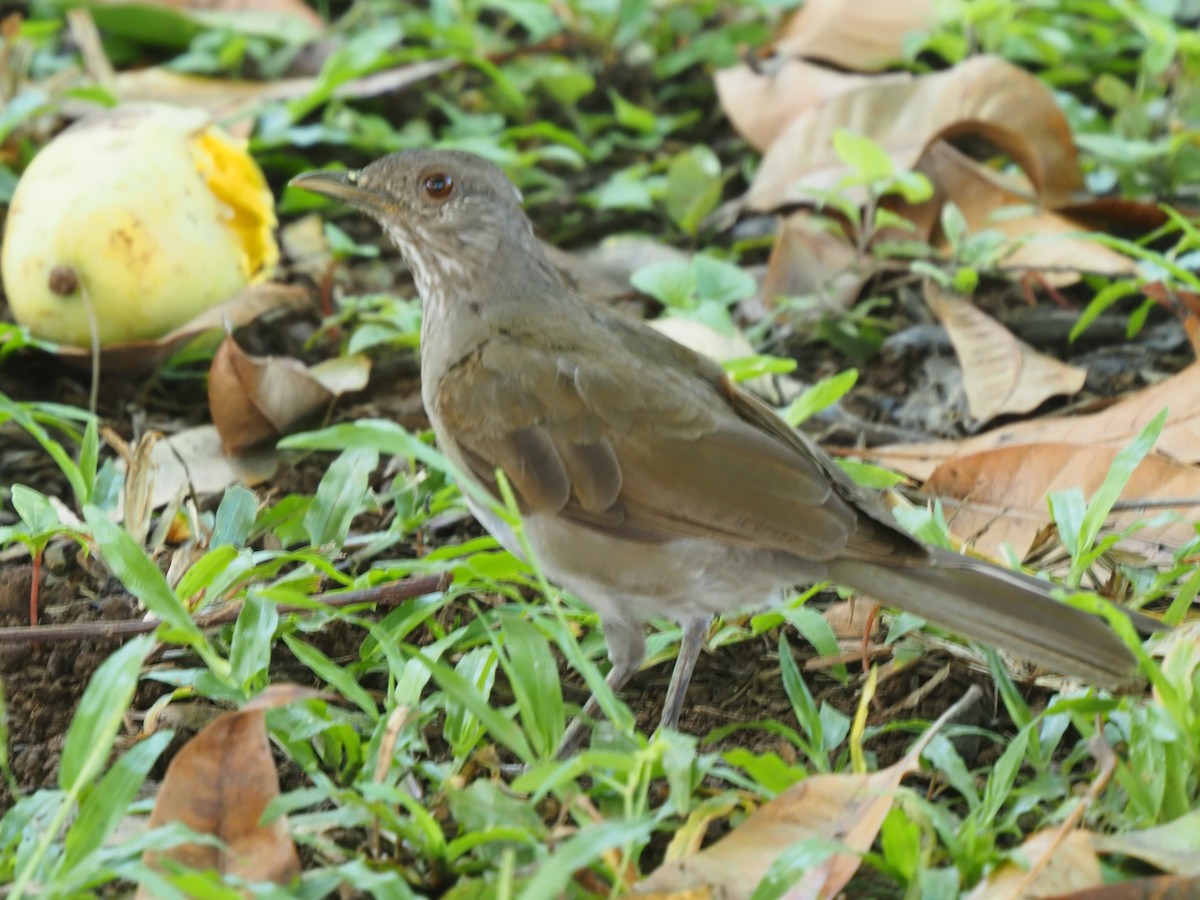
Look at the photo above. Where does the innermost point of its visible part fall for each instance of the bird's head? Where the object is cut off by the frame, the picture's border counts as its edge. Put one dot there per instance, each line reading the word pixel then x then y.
pixel 448 211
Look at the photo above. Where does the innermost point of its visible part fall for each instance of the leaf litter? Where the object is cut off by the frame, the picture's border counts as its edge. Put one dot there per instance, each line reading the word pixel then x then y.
pixel 790 108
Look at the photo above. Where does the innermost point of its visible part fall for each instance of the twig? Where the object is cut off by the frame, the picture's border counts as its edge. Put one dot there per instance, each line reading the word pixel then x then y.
pixel 388 594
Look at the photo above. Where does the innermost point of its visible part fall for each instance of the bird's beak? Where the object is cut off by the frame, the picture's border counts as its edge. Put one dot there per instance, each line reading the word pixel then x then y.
pixel 339 184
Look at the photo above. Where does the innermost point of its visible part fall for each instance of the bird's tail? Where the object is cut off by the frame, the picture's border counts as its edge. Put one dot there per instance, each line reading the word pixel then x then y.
pixel 1002 608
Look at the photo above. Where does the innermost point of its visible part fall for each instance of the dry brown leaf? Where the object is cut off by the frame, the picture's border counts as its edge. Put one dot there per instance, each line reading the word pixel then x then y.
pixel 848 618
pixel 343 374
pixel 193 460
pixel 242 308
pixel 761 102
pixel 1062 863
pixel 220 784
pixel 865 35
pixel 1007 487
pixel 1163 887
pixel 295 9
pixel 1001 374
pixel 846 809
pixel 231 97
pixel 1043 240
pixel 306 246
pixel 811 259
pixel 1173 847
pixel 985 96
pixel 1115 426
pixel 254 399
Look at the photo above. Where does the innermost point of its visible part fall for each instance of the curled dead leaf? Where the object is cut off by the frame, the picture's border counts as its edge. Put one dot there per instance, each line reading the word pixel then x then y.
pixel 254 399
pixel 1001 374
pixel 984 96
pixel 1043 240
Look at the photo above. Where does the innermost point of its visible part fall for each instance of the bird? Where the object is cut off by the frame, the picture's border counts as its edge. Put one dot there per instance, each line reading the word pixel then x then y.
pixel 649 483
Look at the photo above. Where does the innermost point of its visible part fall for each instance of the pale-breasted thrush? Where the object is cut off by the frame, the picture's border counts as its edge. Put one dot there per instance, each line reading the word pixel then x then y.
pixel 649 483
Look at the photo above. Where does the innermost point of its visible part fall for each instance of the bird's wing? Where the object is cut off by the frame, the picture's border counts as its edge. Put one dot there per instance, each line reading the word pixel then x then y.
pixel 607 437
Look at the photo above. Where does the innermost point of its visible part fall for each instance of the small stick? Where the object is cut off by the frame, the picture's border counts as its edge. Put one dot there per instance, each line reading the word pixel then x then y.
pixel 385 594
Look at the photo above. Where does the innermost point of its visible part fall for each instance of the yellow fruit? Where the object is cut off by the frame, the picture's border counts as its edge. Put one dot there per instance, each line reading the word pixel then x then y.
pixel 154 211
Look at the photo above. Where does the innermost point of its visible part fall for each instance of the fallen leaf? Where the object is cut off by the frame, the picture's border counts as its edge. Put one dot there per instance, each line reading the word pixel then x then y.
pixel 1062 862
pixel 291 8
pixel 865 35
pixel 1173 847
pixel 847 810
pixel 192 460
pixel 1115 426
pixel 245 306
pixel 1007 488
pixel 174 23
pixel 811 257
pixel 1163 887
pixel 231 97
pixel 723 348
pixel 254 399
pixel 1041 239
pixel 137 494
pixel 220 784
pixel 985 96
pixel 1001 374
pixel 306 246
pixel 761 101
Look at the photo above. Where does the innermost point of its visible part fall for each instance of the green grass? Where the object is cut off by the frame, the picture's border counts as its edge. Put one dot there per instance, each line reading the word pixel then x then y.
pixel 426 768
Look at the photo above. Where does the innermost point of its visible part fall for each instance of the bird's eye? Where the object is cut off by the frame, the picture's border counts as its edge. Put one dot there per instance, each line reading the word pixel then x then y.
pixel 438 186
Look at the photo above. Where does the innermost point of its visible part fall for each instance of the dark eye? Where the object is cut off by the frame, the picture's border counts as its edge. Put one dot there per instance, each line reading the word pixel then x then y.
pixel 438 186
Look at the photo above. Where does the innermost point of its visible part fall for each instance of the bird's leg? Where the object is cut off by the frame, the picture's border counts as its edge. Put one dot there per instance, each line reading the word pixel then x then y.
pixel 626 650
pixel 695 633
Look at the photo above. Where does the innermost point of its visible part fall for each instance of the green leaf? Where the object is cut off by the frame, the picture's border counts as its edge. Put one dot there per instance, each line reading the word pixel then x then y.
pixel 556 873
pixel 235 517
pixel 470 696
pixel 762 365
pixel 109 803
pixel 1067 509
pixel 100 714
pixel 251 645
pixel 821 395
pixel 869 161
pixel 722 282
pixel 35 510
pixel 340 496
pixel 463 730
pixel 533 674
pixel 694 188
pixel 143 579
pixel 869 475
pixel 671 283
pixel 803 705
pixel 89 455
pixel 1101 504
pixel 329 671
pixel 631 116
pixel 790 865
